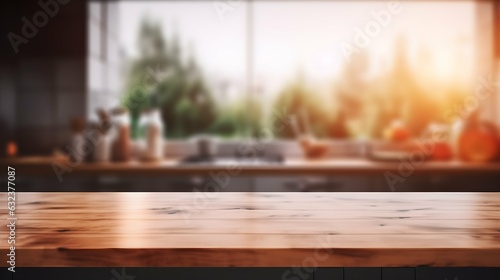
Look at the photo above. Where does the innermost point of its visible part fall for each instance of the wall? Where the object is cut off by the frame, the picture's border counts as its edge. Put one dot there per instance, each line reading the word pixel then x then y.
pixel 42 86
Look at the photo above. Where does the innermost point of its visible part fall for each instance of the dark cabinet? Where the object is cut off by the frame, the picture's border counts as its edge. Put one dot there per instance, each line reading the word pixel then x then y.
pixel 5 274
pixel 368 273
pixel 153 273
pixel 248 273
pixel 451 273
pixel 398 273
pixel 327 273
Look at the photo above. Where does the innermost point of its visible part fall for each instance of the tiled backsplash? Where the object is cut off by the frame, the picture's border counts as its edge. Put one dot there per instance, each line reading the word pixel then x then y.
pixel 46 83
pixel 48 93
pixel 43 86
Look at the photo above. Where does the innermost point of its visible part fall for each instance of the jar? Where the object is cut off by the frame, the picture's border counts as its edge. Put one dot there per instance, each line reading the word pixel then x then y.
pixel 122 144
pixel 102 149
pixel 205 146
pixel 103 145
pixel 152 127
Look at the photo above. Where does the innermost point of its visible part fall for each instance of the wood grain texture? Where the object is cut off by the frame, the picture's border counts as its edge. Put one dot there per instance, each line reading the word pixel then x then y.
pixel 291 166
pixel 256 229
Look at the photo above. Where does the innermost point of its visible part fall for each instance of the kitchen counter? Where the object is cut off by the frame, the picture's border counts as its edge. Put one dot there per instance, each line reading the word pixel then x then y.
pixel 290 166
pixel 255 229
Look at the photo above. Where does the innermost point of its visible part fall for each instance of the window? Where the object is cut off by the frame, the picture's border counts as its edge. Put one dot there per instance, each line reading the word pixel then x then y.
pixel 345 69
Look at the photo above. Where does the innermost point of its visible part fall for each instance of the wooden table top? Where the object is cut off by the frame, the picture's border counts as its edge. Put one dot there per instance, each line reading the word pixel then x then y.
pixel 290 166
pixel 255 229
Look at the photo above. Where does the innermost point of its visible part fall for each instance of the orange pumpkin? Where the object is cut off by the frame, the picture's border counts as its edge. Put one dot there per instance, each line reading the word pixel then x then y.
pixel 313 149
pixel 442 151
pixel 397 132
pixel 478 142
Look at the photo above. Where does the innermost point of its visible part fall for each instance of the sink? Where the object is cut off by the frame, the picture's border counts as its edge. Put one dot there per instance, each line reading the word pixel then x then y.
pixel 258 160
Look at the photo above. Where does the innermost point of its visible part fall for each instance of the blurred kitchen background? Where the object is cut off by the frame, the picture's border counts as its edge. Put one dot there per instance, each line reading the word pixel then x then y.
pixel 199 82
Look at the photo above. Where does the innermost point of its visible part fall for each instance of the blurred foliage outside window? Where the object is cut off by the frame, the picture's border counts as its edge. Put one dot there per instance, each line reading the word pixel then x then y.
pixel 357 106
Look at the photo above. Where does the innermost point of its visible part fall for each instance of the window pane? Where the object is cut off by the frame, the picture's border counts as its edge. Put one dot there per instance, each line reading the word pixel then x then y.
pixel 351 68
pixel 344 69
pixel 192 54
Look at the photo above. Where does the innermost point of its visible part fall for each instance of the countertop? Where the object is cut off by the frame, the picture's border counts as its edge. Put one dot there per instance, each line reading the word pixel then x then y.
pixel 255 229
pixel 290 166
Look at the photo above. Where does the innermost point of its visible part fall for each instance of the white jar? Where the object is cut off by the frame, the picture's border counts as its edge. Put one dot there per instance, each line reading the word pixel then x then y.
pixel 102 149
pixel 153 131
pixel 77 147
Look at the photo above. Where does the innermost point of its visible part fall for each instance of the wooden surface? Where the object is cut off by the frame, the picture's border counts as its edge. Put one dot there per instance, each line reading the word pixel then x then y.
pixel 297 166
pixel 256 229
